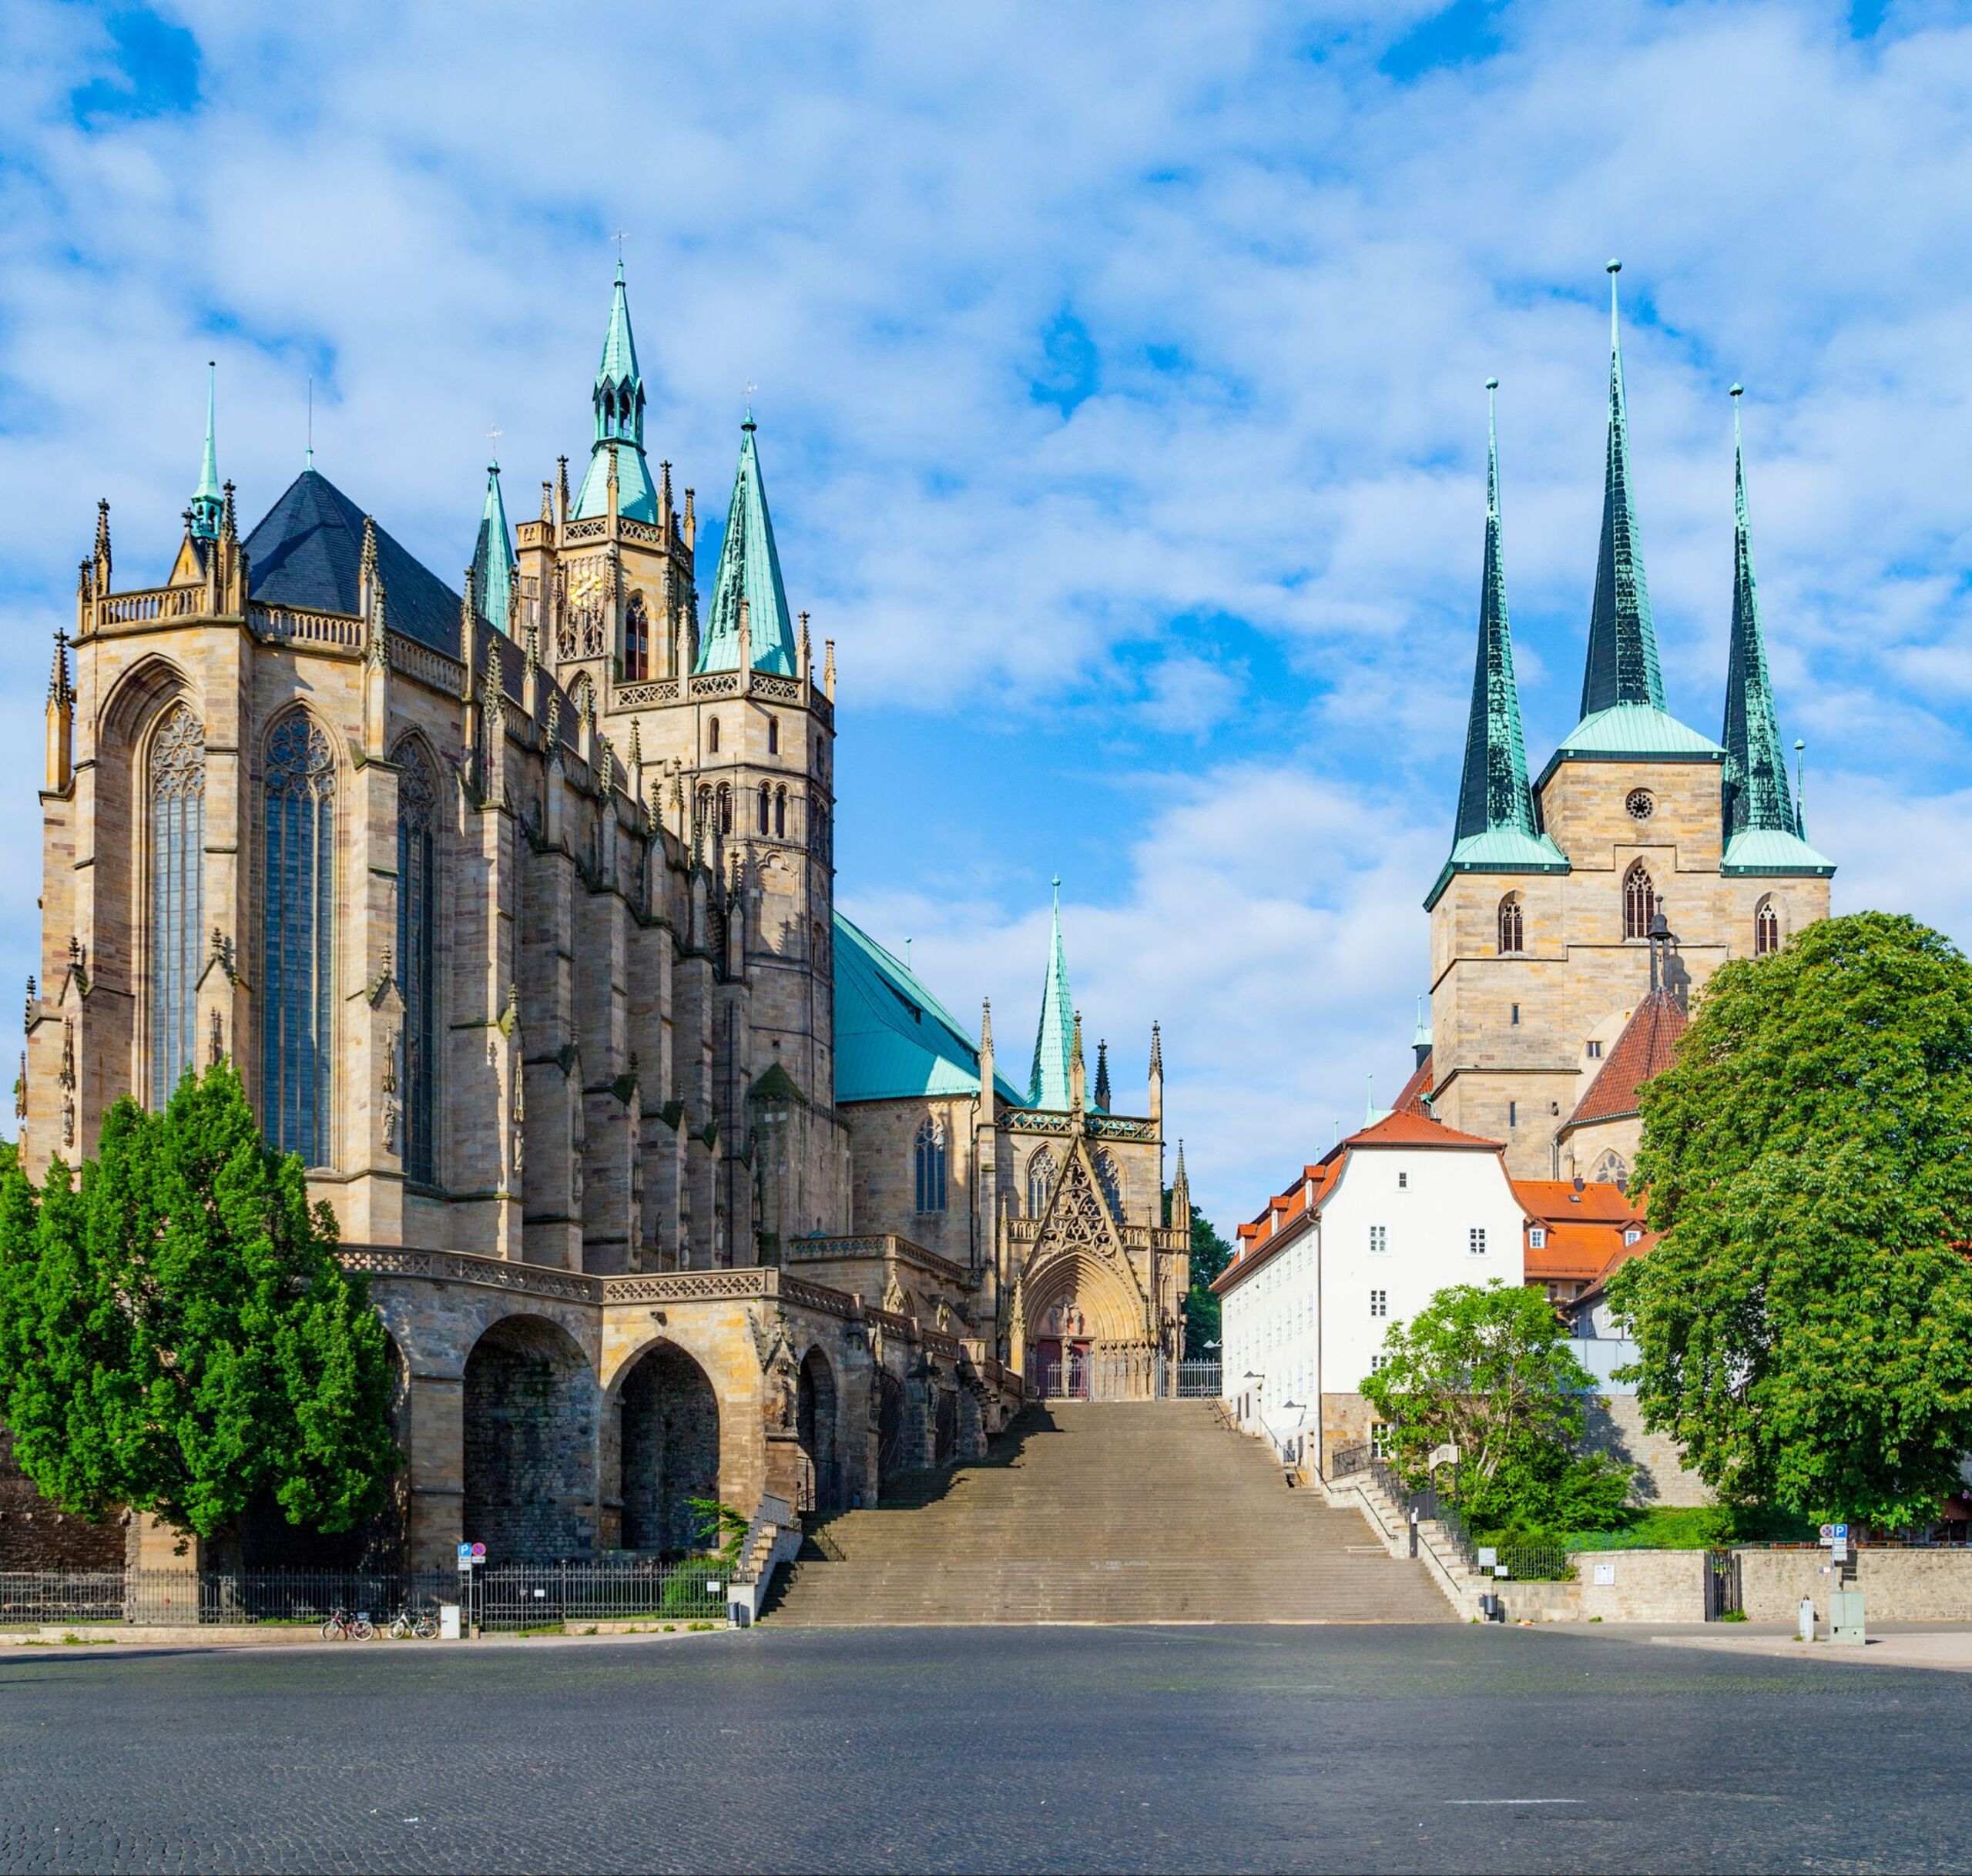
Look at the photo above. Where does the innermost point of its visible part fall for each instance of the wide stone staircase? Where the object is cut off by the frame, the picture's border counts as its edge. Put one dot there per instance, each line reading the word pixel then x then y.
pixel 1136 1511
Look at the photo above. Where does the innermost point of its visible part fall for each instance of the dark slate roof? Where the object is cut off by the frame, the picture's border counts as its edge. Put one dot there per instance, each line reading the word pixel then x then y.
pixel 307 551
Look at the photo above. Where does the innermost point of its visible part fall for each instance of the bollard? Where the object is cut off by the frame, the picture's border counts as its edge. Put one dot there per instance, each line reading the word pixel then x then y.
pixel 1807 1618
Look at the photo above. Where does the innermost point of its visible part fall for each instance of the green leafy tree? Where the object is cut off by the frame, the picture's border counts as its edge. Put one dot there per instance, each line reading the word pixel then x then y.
pixel 177 1335
pixel 1806 1320
pixel 1210 1254
pixel 1488 1370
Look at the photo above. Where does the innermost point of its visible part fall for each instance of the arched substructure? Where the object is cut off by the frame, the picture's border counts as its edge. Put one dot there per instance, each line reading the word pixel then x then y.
pixel 668 1440
pixel 530 1423
pixel 816 1422
pixel 1086 1330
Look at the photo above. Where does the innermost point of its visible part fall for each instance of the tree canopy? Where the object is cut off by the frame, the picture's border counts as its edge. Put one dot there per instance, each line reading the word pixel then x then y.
pixel 1806 1320
pixel 1210 1254
pixel 1488 1370
pixel 176 1333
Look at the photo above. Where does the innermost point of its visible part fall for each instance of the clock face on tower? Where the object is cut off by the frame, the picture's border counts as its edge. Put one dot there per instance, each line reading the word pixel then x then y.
pixel 1639 804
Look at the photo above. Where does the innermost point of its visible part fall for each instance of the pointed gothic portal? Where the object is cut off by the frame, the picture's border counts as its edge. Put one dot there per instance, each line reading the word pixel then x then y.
pixel 1756 792
pixel 748 574
pixel 209 498
pixel 618 395
pixel 1622 640
pixel 1496 831
pixel 1084 1314
pixel 1050 1083
pixel 493 563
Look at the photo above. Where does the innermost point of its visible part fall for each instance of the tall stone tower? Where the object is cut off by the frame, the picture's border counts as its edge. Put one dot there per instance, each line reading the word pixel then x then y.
pixel 728 736
pixel 1542 918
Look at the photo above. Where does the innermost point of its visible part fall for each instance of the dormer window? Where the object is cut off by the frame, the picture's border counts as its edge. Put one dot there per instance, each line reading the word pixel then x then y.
pixel 1632 1235
pixel 1537 1237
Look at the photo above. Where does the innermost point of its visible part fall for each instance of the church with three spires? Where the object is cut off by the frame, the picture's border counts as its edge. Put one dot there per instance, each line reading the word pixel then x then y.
pixel 1576 911
pixel 513 907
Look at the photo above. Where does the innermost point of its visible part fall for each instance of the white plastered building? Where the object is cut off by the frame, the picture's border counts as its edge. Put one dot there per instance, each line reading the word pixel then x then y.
pixel 1363 1240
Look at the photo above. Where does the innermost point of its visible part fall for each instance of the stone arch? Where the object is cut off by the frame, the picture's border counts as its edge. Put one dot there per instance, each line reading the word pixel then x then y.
pixel 886 1412
pixel 1767 933
pixel 1639 901
pixel 1096 1304
pixel 667 1424
pixel 1611 1169
pixel 530 1425
pixel 1513 926
pixel 817 1417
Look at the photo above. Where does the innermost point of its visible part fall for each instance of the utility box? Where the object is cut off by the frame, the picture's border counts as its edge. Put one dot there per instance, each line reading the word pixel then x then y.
pixel 448 1622
pixel 1845 1615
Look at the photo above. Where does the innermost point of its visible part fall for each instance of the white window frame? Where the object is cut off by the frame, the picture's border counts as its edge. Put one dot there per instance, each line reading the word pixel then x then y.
pixel 1475 1241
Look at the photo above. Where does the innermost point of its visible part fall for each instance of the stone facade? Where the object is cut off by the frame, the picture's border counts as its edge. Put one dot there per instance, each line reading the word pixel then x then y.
pixel 565 1067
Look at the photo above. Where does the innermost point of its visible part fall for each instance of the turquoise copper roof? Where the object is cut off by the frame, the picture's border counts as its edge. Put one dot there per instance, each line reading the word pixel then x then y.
pixel 1496 831
pixel 1622 638
pixel 1759 851
pixel 894 1039
pixel 209 498
pixel 618 395
pixel 1762 828
pixel 1624 731
pixel 749 569
pixel 1050 1083
pixel 493 562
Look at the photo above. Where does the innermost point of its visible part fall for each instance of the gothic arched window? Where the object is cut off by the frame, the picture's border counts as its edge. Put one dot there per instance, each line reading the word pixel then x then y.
pixel 298 934
pixel 712 735
pixel 1611 1170
pixel 1766 930
pixel 636 638
pixel 725 799
pixel 177 803
pixel 418 924
pixel 765 807
pixel 930 1165
pixel 1110 1181
pixel 1040 1181
pixel 1639 902
pixel 773 736
pixel 780 814
pixel 1512 928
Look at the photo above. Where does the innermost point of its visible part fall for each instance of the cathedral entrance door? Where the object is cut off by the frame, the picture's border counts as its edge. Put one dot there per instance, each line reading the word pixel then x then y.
pixel 1045 1364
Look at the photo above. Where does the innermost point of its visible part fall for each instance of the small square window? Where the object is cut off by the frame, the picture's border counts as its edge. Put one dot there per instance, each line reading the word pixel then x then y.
pixel 1376 1363
pixel 1513 1114
pixel 1595 1052
pixel 1476 1241
pixel 1404 1181
pixel 1516 1013
pixel 1380 1441
pixel 1537 1237
pixel 1380 1302
pixel 1379 1238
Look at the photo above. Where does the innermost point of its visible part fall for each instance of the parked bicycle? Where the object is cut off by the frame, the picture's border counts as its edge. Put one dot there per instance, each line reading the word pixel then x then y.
pixel 423 1626
pixel 343 1627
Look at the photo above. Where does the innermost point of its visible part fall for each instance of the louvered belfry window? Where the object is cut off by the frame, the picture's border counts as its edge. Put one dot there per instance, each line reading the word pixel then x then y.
pixel 177 792
pixel 298 1051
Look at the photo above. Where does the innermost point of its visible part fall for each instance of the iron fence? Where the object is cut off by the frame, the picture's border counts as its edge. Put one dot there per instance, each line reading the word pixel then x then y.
pixel 1083 1375
pixel 506 1595
pixel 1536 1562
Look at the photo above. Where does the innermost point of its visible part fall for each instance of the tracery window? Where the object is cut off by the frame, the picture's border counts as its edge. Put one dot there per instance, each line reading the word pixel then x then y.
pixel 1639 902
pixel 298 934
pixel 417 921
pixel 930 1165
pixel 636 638
pixel 1040 1181
pixel 1110 1181
pixel 1766 930
pixel 177 803
pixel 1512 928
pixel 1610 1170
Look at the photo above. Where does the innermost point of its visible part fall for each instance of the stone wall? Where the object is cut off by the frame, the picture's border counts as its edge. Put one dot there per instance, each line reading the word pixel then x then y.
pixel 1897 1585
pixel 1644 1586
pixel 36 1535
pixel 1615 1425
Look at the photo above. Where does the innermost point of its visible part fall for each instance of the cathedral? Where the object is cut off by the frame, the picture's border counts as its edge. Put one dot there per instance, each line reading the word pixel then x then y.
pixel 1575 914
pixel 513 905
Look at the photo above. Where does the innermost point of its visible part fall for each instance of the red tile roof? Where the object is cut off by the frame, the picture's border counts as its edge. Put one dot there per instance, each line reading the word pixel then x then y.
pixel 1644 1049
pixel 1562 1202
pixel 1410 1096
pixel 1412 1130
pixel 1584 1228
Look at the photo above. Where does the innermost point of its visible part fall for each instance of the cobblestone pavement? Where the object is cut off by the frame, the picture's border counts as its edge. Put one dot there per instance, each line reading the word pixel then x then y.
pixel 1334 1748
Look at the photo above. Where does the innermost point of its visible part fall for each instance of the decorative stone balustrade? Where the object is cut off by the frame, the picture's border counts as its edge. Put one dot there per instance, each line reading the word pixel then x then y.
pixel 155 602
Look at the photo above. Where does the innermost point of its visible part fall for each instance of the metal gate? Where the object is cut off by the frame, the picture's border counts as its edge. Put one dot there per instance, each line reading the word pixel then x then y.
pixel 1722 1586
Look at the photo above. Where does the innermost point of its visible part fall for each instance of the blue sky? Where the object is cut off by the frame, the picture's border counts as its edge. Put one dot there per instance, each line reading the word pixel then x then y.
pixel 1120 376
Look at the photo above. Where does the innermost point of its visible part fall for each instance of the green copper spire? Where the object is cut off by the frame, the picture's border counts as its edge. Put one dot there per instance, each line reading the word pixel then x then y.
pixel 749 569
pixel 1622 640
pixel 1050 1086
pixel 618 395
pixel 1762 829
pixel 1493 793
pixel 493 564
pixel 208 499
pixel 1495 830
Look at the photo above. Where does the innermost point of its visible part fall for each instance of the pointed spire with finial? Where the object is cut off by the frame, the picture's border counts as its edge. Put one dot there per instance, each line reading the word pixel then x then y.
pixel 1495 831
pixel 493 563
pixel 1181 1194
pixel 1049 1084
pixel 1622 639
pixel 1763 820
pixel 1103 1075
pixel 618 397
pixel 207 499
pixel 748 580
